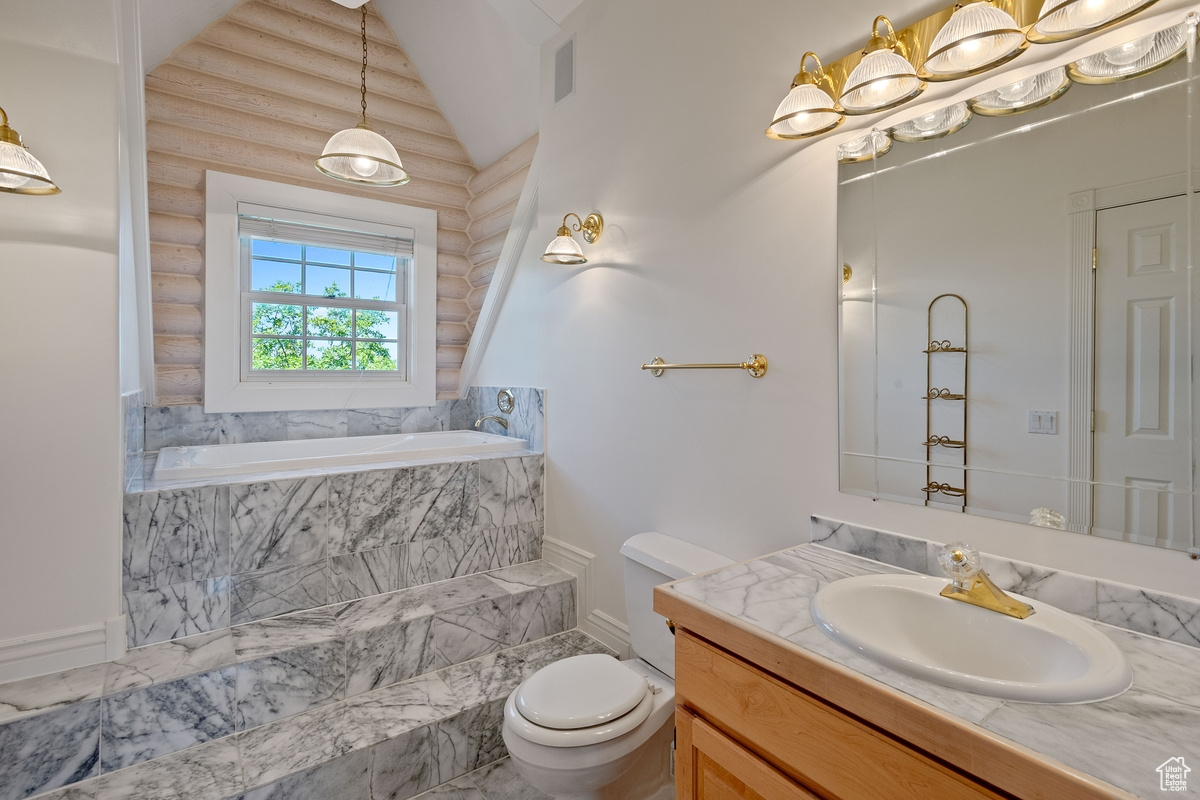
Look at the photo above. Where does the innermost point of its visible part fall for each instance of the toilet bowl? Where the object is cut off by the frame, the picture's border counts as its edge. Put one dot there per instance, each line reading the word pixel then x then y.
pixel 591 727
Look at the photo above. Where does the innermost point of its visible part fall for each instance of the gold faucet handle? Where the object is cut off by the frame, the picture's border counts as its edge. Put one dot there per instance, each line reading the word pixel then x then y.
pixel 960 561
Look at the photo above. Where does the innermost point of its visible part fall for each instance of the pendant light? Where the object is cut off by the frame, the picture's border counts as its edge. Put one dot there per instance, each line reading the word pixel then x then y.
pixel 1024 95
pixel 20 172
pixel 977 38
pixel 933 125
pixel 1060 20
pixel 1134 58
pixel 864 148
pixel 359 154
pixel 808 110
pixel 884 78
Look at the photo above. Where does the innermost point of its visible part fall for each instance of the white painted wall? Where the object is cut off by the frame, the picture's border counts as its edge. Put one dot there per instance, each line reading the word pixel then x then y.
pixel 60 450
pixel 719 243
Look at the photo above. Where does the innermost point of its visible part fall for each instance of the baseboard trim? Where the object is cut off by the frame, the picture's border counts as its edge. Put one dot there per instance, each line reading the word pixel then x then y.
pixel 30 656
pixel 592 621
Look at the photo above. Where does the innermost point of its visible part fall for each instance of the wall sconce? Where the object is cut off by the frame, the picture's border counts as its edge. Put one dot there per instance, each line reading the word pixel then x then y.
pixel 808 110
pixel 359 154
pixel 1060 20
pixel 20 172
pixel 977 38
pixel 1135 58
pixel 884 78
pixel 564 249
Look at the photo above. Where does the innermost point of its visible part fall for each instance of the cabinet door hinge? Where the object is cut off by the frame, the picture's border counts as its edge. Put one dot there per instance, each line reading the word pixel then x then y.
pixel 1095 257
pixel 1093 422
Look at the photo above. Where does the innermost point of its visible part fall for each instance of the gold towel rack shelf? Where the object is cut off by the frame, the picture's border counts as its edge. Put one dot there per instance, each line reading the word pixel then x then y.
pixel 756 366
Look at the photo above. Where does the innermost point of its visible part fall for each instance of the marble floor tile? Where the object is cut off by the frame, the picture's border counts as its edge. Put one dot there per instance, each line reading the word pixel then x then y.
pixel 50 750
pixel 345 778
pixel 298 743
pixel 278 590
pixel 539 613
pixel 771 597
pixel 152 721
pixel 208 772
pixel 403 766
pixel 390 712
pixel 278 523
pixel 501 781
pixel 167 661
pixel 173 537
pixel 457 789
pixel 267 637
pixel 281 685
pixel 84 790
pixel 172 612
pixel 30 696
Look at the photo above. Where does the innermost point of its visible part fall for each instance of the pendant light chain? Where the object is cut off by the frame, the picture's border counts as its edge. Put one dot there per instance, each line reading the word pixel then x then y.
pixel 364 66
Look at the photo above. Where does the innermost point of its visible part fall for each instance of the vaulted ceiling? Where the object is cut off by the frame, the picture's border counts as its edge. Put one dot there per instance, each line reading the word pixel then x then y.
pixel 479 58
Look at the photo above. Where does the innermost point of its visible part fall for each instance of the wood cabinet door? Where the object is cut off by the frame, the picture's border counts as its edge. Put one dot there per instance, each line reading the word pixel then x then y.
pixel 711 766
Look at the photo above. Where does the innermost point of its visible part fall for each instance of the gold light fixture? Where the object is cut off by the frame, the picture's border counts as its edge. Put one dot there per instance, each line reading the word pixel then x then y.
pixel 884 78
pixel 865 148
pixel 20 172
pixel 808 110
pixel 933 125
pixel 1024 95
pixel 977 38
pixel 1133 58
pixel 359 154
pixel 1060 20
pixel 564 249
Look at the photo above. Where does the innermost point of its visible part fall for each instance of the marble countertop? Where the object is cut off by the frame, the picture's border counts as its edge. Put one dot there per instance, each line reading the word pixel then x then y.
pixel 1122 740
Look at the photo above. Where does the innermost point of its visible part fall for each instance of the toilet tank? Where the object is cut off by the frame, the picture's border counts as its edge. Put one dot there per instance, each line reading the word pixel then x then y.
pixel 651 559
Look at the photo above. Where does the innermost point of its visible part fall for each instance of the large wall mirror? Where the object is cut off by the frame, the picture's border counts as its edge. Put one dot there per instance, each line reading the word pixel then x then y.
pixel 986 366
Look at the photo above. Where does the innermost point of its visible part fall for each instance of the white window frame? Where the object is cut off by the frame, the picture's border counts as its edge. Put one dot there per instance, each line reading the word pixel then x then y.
pixel 227 385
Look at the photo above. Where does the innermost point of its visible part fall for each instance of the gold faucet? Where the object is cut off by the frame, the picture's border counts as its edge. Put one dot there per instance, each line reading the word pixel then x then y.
pixel 503 422
pixel 970 584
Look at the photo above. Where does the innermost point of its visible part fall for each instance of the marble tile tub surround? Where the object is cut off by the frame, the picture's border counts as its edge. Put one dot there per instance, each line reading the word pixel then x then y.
pixel 191 693
pixel 206 557
pixel 1159 614
pixel 133 407
pixel 1121 740
pixel 182 426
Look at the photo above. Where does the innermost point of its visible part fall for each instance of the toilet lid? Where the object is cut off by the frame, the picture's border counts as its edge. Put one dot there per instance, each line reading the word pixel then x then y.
pixel 579 692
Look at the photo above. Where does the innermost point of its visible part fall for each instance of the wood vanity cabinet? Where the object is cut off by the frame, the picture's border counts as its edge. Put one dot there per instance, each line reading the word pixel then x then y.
pixel 759 717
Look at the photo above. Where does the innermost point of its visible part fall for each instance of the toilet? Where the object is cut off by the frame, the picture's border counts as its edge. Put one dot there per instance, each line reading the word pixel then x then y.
pixel 594 728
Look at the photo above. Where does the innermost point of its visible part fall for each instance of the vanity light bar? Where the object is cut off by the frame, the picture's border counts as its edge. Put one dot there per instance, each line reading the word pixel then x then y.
pixel 917 41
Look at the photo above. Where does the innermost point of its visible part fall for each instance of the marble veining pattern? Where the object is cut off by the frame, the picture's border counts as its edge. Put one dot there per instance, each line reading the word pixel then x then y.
pixel 172 612
pixel 1165 616
pixel 280 523
pixel 404 766
pixel 347 777
pixel 30 696
pixel 153 721
pixel 356 575
pixel 169 660
pixel 468 632
pixel 542 612
pixel 50 750
pixel 173 537
pixel 281 685
pixel 764 594
pixel 507 488
pixel 899 551
pixel 210 771
pixel 278 590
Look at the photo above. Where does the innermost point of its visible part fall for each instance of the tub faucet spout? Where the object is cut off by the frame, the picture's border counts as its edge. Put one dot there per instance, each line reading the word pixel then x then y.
pixel 503 422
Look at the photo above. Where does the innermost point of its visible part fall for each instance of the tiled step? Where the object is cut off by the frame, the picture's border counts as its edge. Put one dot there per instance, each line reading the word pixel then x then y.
pixel 172 696
pixel 497 781
pixel 389 744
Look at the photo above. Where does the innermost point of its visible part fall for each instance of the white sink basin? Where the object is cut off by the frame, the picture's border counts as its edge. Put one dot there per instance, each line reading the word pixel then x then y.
pixel 901 621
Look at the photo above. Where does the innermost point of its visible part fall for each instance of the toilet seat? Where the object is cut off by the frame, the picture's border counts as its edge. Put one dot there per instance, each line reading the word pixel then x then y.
pixel 579 701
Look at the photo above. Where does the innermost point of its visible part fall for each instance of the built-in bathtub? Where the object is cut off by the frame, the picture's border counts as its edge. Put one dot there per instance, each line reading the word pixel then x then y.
pixel 213 461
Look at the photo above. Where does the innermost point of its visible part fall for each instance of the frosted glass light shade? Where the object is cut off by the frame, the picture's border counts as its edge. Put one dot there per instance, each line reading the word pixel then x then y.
pixel 933 125
pixel 864 148
pixel 360 155
pixel 564 250
pixel 808 110
pixel 977 37
pixel 21 173
pixel 882 80
pixel 1060 20
pixel 1132 59
pixel 1024 95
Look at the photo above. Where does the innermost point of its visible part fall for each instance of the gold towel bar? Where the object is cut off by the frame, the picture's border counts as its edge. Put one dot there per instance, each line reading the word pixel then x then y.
pixel 756 366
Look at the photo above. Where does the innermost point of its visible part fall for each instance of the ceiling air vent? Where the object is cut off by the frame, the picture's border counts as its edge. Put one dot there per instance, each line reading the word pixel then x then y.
pixel 564 71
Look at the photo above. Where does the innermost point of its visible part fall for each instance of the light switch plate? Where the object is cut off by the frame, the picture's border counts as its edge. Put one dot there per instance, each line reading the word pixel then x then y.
pixel 1044 422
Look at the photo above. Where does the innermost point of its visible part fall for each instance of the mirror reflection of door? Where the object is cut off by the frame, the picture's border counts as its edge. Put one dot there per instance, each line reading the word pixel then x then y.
pixel 1142 427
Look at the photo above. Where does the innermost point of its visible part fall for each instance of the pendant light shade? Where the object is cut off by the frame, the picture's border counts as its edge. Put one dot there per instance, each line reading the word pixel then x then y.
pixel 1060 20
pixel 20 172
pixel 977 38
pixel 883 79
pixel 934 125
pixel 1134 58
pixel 1024 95
pixel 359 154
pixel 864 148
pixel 808 110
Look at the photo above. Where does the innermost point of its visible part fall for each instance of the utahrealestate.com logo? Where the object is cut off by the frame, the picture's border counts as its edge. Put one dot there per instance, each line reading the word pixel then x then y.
pixel 1172 775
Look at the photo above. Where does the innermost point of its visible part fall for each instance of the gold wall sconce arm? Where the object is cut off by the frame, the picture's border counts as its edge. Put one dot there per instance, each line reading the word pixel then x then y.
pixel 756 366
